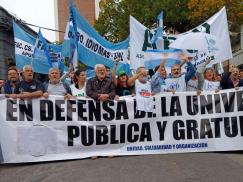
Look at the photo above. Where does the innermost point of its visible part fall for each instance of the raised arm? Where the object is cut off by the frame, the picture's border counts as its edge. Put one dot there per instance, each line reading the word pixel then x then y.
pixel 114 80
pixel 132 79
pixel 192 69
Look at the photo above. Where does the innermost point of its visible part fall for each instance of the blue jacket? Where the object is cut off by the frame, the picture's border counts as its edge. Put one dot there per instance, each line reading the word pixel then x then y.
pixel 226 82
pixel 156 82
pixel 191 72
pixel 7 88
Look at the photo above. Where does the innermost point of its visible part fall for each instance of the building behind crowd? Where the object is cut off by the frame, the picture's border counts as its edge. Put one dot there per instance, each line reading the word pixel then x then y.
pixel 237 48
pixel 88 8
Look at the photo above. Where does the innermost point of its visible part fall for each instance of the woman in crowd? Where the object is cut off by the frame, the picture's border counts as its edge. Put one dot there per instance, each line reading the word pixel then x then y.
pixel 122 83
pixel 78 89
pixel 231 80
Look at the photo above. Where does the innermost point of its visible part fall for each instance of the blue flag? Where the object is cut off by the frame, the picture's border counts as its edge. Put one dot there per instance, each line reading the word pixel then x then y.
pixel 25 48
pixel 73 58
pixel 159 31
pixel 41 50
pixel 160 18
pixel 92 48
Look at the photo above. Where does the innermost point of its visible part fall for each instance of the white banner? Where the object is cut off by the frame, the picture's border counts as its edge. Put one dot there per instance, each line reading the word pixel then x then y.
pixel 23 48
pixel 57 129
pixel 140 41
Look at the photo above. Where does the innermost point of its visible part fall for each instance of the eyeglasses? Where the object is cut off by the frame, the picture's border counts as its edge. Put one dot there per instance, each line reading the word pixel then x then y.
pixel 12 73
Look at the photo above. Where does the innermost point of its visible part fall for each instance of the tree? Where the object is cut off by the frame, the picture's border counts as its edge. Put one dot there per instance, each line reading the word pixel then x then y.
pixel 202 10
pixel 181 15
pixel 113 22
pixel 176 13
pixel 107 19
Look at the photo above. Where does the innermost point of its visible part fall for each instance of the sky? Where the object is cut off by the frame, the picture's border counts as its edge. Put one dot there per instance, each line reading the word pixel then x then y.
pixel 37 12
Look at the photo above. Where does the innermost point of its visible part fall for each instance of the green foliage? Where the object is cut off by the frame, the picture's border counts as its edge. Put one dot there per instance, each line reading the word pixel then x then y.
pixel 176 13
pixel 181 15
pixel 202 10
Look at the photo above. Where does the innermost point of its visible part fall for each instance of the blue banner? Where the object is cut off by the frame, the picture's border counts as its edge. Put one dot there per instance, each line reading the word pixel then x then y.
pixel 25 48
pixel 92 48
pixel 41 50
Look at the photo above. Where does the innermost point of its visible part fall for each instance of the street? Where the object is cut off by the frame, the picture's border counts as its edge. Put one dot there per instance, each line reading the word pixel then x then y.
pixel 189 167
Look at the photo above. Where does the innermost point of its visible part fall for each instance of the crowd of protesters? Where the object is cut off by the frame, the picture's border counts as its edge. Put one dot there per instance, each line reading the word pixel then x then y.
pixel 106 86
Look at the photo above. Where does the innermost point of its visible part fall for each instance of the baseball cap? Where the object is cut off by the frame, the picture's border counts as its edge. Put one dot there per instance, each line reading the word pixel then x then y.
pixel 122 72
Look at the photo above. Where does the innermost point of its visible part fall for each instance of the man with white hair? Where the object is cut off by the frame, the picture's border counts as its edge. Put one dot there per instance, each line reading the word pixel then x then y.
pixel 100 88
pixel 28 88
pixel 55 86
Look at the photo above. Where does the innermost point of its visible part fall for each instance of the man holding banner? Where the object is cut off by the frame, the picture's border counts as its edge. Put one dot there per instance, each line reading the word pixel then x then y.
pixel 55 86
pixel 100 88
pixel 28 88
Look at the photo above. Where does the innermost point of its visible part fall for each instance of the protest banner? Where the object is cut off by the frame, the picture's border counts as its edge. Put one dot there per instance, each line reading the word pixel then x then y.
pixel 57 129
pixel 92 48
pixel 30 51
pixel 143 52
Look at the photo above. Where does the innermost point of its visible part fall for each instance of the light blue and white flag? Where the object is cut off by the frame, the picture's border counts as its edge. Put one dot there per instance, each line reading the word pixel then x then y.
pixel 159 31
pixel 24 46
pixel 145 52
pixel 24 50
pixel 160 18
pixel 41 50
pixel 73 57
pixel 92 48
pixel 142 49
pixel 154 57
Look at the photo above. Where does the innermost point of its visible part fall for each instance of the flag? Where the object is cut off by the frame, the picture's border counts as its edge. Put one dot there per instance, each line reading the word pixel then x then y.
pixel 73 39
pixel 145 53
pixel 26 46
pixel 141 44
pixel 159 31
pixel 73 57
pixel 92 48
pixel 41 50
pixel 160 18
